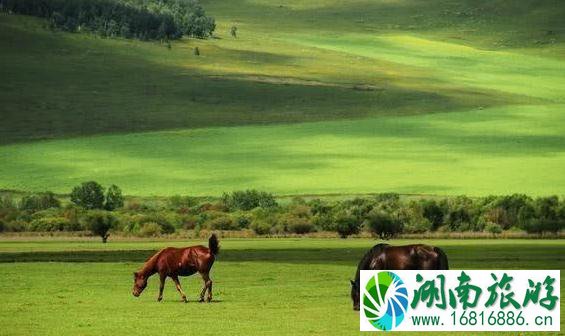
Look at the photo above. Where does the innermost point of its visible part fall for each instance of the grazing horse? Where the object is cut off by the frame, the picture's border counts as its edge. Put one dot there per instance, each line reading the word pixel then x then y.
pixel 174 262
pixel 409 257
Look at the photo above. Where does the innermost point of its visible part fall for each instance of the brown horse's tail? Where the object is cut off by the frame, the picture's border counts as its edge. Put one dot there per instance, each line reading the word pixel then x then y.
pixel 442 263
pixel 213 244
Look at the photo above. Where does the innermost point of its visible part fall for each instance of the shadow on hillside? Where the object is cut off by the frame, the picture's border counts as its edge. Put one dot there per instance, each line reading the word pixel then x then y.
pixel 93 86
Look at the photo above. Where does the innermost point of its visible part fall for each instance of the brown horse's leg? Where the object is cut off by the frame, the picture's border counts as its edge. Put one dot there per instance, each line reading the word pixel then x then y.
pixel 179 288
pixel 161 287
pixel 207 287
pixel 209 298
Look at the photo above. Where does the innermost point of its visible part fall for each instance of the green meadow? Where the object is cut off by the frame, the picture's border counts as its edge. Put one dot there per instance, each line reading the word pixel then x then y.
pixel 261 286
pixel 317 97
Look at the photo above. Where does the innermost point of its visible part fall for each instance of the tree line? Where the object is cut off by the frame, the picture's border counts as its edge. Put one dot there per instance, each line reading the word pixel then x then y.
pixel 141 19
pixel 99 210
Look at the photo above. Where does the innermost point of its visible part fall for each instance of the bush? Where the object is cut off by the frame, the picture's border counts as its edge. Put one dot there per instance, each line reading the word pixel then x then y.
pixel 181 202
pixel 189 222
pixel 383 224
pixel 114 198
pixel 347 224
pixel 150 229
pixel 499 216
pixel 16 226
pixel 260 227
pixel 300 226
pixel 243 220
pixel 433 213
pixel 39 202
pixel 248 199
pixel 89 195
pixel 223 222
pixel 6 202
pixel 493 228
pixel 50 224
pixel 100 223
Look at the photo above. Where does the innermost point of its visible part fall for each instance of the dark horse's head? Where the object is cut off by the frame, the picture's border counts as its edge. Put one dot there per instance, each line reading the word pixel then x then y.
pixel 409 257
pixel 139 283
pixel 355 293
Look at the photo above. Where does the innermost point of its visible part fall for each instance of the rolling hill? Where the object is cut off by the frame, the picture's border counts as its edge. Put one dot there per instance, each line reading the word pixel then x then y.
pixel 442 97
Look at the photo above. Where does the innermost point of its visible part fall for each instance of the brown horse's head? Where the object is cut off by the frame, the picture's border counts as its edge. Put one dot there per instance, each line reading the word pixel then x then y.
pixel 355 294
pixel 139 283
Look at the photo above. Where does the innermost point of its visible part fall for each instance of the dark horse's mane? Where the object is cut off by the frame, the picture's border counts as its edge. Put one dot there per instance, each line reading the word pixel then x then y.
pixel 368 258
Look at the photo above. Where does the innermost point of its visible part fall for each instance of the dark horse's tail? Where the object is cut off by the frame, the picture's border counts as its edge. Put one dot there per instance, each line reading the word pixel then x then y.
pixel 442 263
pixel 213 244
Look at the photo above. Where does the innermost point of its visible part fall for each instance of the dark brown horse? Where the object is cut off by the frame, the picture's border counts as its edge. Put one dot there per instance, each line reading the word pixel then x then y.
pixel 409 257
pixel 174 262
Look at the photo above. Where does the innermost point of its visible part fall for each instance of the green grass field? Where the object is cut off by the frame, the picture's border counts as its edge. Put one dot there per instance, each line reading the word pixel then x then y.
pixel 262 286
pixel 448 97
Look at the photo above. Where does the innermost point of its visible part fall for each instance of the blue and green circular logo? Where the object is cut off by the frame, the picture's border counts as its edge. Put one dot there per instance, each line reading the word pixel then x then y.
pixel 385 301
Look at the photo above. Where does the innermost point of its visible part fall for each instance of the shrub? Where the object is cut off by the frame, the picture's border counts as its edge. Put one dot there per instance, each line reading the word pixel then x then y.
pixel 114 198
pixel 180 202
pixel 383 224
pixel 6 202
pixel 433 213
pixel 100 223
pixel 188 222
pixel 493 228
pixel 2 226
pixel 223 222
pixel 89 195
pixel 260 227
pixel 150 229
pixel 243 220
pixel 300 226
pixel 499 216
pixel 39 202
pixel 16 226
pixel 324 221
pixel 347 224
pixel 248 199
pixel 49 224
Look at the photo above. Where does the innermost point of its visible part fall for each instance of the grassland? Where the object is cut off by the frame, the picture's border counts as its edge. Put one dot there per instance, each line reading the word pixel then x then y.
pixel 262 287
pixel 447 97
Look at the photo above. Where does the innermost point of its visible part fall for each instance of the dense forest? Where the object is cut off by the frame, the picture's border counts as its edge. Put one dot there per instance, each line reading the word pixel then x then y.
pixel 141 19
pixel 91 207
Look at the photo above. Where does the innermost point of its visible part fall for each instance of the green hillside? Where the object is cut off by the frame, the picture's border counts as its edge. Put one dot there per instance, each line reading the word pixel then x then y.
pixel 442 97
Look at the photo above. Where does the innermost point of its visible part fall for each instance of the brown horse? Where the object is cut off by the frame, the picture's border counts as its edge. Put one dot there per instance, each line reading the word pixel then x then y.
pixel 174 262
pixel 409 257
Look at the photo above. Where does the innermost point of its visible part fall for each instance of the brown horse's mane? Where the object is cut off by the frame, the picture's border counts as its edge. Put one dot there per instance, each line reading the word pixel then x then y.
pixel 149 266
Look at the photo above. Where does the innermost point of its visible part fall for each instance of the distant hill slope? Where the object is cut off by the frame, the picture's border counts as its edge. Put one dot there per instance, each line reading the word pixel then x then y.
pixel 442 97
pixel 292 62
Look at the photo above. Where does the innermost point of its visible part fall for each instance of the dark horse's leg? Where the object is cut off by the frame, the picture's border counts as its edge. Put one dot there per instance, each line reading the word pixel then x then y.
pixel 161 286
pixel 207 286
pixel 179 288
